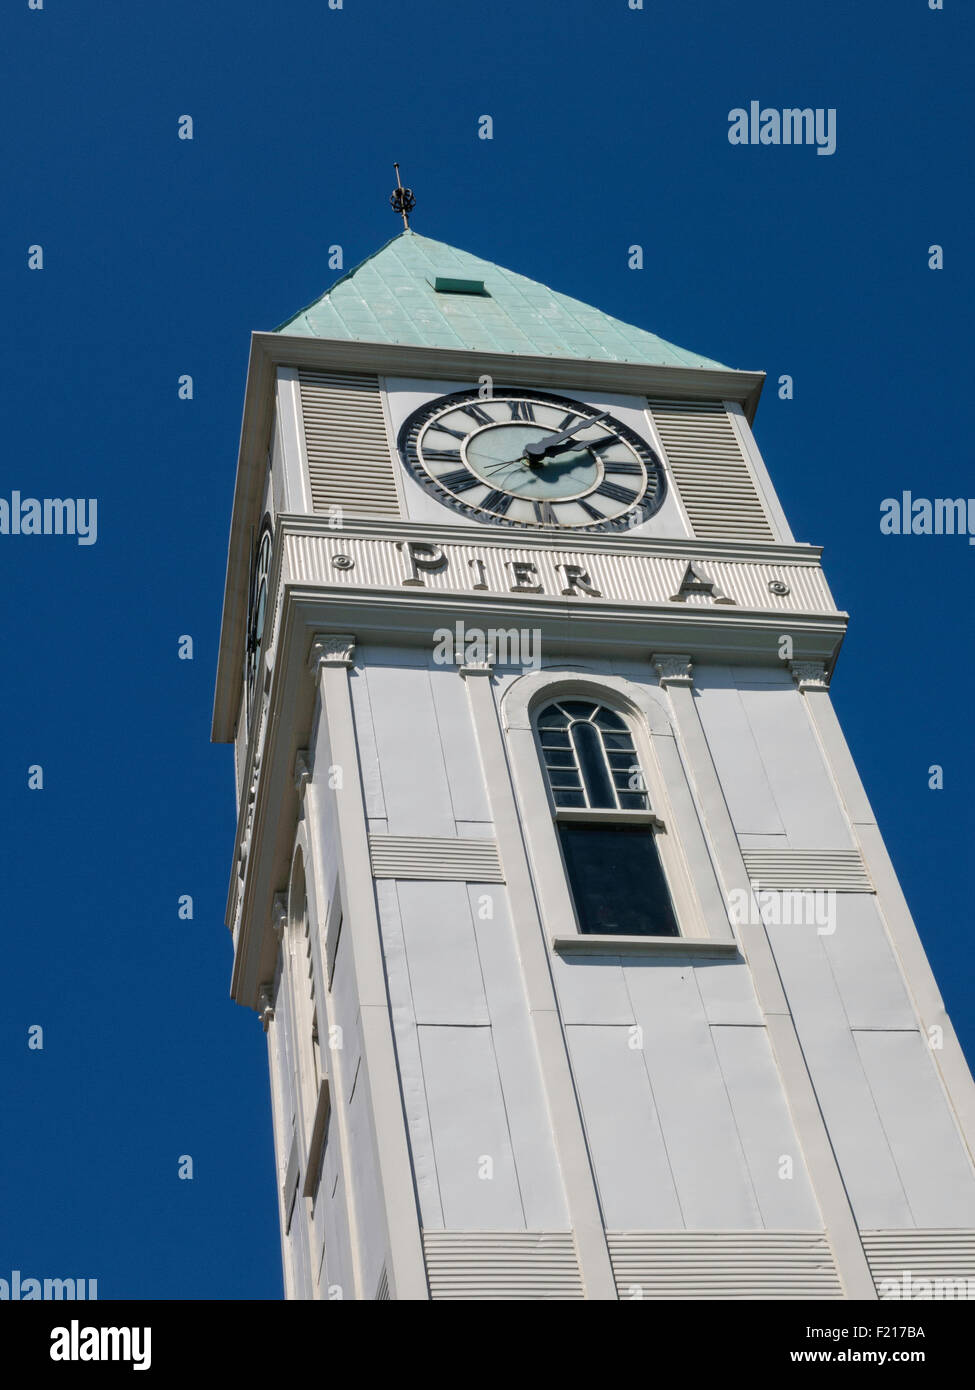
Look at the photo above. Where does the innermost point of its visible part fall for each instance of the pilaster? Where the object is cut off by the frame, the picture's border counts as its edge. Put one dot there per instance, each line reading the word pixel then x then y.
pixel 330 659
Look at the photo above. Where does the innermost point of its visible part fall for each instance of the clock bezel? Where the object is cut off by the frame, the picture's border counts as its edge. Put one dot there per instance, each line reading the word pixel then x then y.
pixel 647 503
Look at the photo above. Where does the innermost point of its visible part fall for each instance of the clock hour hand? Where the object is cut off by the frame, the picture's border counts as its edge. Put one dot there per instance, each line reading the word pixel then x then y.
pixel 539 449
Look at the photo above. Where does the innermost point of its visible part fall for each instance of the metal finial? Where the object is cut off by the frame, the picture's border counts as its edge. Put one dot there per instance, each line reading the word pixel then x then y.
pixel 401 200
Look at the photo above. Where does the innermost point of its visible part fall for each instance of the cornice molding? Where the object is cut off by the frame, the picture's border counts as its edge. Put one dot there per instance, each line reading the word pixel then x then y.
pixel 272 350
pixel 552 538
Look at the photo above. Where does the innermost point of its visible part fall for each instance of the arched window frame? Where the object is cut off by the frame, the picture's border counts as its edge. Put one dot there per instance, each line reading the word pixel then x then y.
pixel 696 894
pixel 301 977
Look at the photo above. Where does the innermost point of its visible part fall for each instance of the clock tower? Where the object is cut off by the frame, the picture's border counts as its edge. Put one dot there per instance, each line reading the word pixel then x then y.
pixel 583 967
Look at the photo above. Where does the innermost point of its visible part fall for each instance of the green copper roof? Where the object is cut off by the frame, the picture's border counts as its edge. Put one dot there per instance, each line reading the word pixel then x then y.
pixel 390 298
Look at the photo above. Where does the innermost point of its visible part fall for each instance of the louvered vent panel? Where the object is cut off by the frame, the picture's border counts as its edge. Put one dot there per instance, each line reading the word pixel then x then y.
pixel 709 468
pixel 349 461
pixel 842 870
pixel 422 857
pixel 723 1264
pixel 490 1265
pixel 921 1263
pixel 382 1293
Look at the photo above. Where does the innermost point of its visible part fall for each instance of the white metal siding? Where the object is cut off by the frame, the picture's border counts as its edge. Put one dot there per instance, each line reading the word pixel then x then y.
pixel 710 470
pixel 723 1264
pixel 349 460
pixel 487 1265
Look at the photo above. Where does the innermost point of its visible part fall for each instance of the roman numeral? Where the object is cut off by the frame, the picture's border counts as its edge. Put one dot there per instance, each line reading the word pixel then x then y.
pixel 626 466
pixel 476 413
pixel 458 434
pixel 568 420
pixel 496 502
pixel 442 455
pixel 545 514
pixel 591 511
pixel 618 494
pixel 522 410
pixel 458 481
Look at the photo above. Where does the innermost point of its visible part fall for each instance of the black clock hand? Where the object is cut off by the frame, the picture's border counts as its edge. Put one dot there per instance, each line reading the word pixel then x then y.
pixel 542 448
pixel 592 444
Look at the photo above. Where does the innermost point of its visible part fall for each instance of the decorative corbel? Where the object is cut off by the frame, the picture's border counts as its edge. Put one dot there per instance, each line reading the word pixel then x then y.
pixel 673 669
pixel 809 675
pixel 331 649
pixel 265 1008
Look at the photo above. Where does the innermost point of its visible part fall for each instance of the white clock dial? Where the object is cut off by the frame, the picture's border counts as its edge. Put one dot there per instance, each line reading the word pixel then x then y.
pixel 532 459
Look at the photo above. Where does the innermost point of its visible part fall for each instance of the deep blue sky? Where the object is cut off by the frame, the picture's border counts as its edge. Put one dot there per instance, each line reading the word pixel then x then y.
pixel 610 128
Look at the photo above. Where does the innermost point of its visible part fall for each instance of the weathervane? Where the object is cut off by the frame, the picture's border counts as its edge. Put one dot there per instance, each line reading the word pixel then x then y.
pixel 401 200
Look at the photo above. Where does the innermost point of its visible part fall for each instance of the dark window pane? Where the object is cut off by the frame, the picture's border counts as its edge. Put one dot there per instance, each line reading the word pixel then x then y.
pixel 633 801
pixel 606 719
pixel 569 799
pixel 564 777
pixel 578 709
pixel 622 757
pixel 589 751
pixel 559 757
pixel 618 741
pixel 555 738
pixel 617 881
pixel 552 717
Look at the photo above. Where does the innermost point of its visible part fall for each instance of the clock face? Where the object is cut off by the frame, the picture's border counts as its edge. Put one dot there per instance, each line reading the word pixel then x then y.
pixel 530 459
pixel 257 604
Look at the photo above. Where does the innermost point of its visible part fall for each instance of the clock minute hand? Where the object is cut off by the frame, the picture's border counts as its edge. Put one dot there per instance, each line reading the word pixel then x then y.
pixel 542 448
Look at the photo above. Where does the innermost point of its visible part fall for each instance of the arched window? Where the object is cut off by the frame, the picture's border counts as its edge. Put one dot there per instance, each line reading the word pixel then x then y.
pixel 606 824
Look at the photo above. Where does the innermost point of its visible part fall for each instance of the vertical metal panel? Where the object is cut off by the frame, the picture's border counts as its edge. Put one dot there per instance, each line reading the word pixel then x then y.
pixel 765 1128
pixel 737 760
pixel 855 1128
pixel 441 953
pixel 865 968
pixel 802 786
pixel 411 1080
pixel 633 1171
pixel 519 1068
pixel 417 794
pixel 710 1173
pixel 933 1164
pixel 475 1165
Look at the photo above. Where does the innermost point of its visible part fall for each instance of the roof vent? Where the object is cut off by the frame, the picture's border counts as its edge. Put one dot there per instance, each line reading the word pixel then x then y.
pixel 449 284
